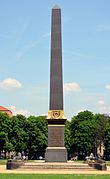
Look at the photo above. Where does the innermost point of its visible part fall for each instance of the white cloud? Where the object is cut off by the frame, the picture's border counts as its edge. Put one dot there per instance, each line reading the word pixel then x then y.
pixel 10 83
pixel 101 103
pixel 15 111
pixel 102 107
pixel 72 87
pixel 108 86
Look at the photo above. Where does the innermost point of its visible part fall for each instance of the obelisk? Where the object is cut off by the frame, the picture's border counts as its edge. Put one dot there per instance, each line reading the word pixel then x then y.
pixel 56 151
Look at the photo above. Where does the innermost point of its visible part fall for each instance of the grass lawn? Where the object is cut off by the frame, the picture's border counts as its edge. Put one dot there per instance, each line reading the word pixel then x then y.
pixel 108 163
pixel 3 162
pixel 37 176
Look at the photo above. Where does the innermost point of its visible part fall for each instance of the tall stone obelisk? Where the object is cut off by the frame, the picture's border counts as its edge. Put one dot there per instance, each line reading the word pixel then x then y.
pixel 56 151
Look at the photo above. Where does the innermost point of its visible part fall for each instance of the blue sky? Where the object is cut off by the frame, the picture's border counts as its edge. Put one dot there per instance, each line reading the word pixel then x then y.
pixel 25 55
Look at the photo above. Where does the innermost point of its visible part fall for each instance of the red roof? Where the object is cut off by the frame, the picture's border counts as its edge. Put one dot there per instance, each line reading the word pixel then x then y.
pixel 3 109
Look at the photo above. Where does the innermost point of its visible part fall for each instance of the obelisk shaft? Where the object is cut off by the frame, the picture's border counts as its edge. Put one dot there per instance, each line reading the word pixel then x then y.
pixel 56 82
pixel 56 151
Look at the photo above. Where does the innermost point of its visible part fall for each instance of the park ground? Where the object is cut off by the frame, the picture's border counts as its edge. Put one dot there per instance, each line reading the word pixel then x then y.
pixel 51 174
pixel 55 176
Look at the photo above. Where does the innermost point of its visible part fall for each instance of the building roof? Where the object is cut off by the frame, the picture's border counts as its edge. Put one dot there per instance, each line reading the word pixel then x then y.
pixel 4 109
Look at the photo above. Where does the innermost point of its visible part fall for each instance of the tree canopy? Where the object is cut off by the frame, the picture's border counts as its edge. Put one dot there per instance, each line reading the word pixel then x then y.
pixel 83 134
pixel 82 129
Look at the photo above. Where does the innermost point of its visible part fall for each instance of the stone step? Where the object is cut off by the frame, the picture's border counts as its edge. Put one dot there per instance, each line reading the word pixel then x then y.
pixel 57 166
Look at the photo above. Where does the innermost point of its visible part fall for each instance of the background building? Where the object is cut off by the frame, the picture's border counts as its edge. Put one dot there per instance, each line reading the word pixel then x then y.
pixel 5 110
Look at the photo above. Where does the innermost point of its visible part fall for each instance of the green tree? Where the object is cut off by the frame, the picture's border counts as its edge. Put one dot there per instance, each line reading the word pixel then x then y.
pixel 101 122
pixel 36 129
pixel 107 140
pixel 18 135
pixel 5 128
pixel 82 130
pixel 68 137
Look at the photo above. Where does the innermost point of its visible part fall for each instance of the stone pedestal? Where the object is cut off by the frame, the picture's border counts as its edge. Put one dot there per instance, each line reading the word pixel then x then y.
pixel 56 154
pixel 56 151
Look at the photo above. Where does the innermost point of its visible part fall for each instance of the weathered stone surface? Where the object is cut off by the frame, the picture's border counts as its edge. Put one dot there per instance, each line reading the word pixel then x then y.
pixel 13 164
pixel 56 136
pixel 56 80
pixel 56 154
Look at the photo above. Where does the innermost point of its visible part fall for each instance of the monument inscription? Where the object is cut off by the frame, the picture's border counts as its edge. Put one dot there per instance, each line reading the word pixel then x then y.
pixel 56 136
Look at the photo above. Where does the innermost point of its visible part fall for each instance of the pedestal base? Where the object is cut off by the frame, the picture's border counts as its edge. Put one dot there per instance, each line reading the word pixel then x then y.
pixel 56 154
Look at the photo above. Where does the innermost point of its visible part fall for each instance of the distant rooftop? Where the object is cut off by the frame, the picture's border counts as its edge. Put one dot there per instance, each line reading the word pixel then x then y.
pixel 56 7
pixel 3 109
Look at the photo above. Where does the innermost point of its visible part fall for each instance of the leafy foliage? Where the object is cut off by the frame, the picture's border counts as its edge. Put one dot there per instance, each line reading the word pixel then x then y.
pixel 107 140
pixel 19 134
pixel 82 129
pixel 83 134
pixel 101 122
pixel 36 129
pixel 68 137
pixel 5 128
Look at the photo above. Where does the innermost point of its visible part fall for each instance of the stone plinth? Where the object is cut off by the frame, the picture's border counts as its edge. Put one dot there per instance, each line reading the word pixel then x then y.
pixel 56 154
pixel 56 151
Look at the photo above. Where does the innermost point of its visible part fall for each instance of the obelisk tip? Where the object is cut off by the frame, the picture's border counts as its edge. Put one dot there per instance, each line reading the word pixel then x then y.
pixel 56 7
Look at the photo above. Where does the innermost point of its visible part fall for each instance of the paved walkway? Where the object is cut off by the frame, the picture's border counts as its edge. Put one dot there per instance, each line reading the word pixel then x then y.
pixel 34 171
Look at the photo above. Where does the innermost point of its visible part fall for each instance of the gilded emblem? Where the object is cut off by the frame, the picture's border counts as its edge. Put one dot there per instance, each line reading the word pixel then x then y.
pixel 56 114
